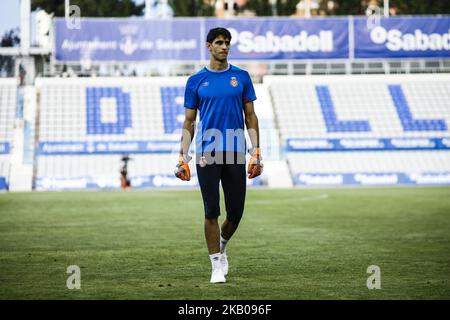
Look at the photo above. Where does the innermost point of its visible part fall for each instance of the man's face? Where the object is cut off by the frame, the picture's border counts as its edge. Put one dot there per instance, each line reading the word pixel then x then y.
pixel 219 48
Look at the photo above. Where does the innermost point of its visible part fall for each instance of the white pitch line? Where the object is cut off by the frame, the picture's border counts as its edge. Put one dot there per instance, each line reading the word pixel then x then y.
pixel 319 197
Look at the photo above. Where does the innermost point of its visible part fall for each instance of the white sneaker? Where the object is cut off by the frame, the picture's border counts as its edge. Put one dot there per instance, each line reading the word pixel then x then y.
pixel 217 276
pixel 224 263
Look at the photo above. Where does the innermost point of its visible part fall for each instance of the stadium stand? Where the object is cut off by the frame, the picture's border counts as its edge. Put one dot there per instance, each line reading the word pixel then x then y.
pixel 7 114
pixel 372 129
pixel 315 130
pixel 85 125
pixel 108 117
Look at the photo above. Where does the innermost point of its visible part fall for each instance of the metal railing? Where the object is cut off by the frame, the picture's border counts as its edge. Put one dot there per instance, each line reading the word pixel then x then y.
pixel 257 69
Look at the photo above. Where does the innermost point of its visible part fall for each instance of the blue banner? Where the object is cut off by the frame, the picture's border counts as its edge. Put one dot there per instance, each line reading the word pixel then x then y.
pixel 128 40
pixel 175 39
pixel 4 147
pixel 361 178
pixel 106 147
pixel 151 181
pixel 254 39
pixel 403 37
pixel 111 182
pixel 289 38
pixel 368 144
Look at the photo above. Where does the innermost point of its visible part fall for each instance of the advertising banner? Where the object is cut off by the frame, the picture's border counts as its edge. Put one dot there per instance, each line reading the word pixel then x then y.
pixel 365 178
pixel 290 38
pixel 403 37
pixel 106 147
pixel 135 39
pixel 369 144
pixel 141 40
pixel 128 40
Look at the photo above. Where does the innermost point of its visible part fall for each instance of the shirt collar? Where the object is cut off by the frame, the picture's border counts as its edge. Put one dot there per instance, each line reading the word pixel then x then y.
pixel 218 71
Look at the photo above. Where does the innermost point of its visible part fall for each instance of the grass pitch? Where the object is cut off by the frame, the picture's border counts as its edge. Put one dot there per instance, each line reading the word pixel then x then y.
pixel 291 244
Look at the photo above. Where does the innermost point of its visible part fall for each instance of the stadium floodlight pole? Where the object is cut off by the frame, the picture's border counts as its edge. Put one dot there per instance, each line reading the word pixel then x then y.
pixel 230 8
pixel 386 8
pixel 273 3
pixel 25 11
pixel 307 8
pixel 149 8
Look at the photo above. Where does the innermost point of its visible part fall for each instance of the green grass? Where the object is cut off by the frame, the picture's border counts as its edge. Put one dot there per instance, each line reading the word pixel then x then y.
pixel 291 244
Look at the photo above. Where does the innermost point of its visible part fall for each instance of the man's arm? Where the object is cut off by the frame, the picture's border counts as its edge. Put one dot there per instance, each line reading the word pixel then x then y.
pixel 188 130
pixel 251 121
pixel 182 170
pixel 255 165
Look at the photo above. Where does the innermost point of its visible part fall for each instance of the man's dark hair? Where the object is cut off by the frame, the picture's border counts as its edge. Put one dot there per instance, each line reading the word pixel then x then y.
pixel 215 32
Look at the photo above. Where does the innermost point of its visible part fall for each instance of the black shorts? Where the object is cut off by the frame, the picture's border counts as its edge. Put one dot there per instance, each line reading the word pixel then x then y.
pixel 233 178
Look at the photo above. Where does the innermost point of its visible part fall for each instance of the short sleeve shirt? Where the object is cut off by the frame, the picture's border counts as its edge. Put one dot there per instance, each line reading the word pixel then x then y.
pixel 219 96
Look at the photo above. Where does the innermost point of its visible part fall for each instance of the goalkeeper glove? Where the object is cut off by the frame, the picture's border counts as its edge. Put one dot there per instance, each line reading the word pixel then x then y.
pixel 182 169
pixel 255 165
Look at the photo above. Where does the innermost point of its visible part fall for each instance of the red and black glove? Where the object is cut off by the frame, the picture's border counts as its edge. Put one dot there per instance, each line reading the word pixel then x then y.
pixel 182 170
pixel 255 165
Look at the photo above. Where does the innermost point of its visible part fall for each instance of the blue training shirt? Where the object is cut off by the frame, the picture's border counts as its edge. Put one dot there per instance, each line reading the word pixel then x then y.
pixel 220 96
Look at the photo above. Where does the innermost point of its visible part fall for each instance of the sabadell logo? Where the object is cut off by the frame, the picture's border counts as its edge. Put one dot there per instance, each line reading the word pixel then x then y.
pixel 247 42
pixel 396 40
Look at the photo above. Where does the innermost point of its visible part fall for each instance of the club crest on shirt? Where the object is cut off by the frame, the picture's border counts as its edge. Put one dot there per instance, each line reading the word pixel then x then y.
pixel 234 82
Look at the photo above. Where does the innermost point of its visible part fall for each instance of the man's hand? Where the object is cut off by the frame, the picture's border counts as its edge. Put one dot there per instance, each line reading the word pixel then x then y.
pixel 182 170
pixel 255 165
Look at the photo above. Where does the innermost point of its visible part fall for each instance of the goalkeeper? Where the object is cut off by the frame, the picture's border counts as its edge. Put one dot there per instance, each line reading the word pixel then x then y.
pixel 223 94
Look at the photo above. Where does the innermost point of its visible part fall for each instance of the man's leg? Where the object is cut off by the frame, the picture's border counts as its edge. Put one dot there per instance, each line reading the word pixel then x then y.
pixel 212 235
pixel 228 229
pixel 209 178
pixel 234 186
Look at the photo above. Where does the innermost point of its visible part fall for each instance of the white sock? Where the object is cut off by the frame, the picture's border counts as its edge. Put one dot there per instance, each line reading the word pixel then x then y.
pixel 215 260
pixel 223 244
